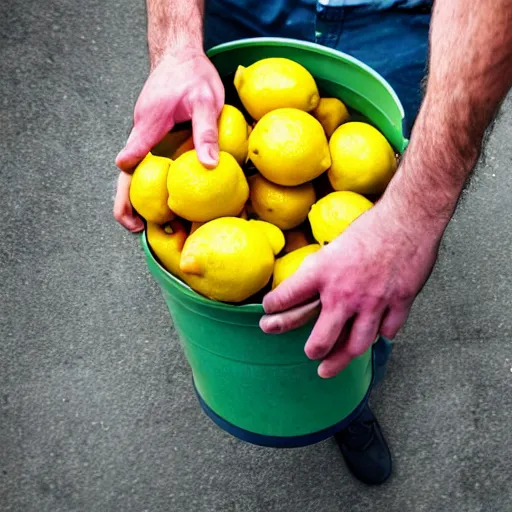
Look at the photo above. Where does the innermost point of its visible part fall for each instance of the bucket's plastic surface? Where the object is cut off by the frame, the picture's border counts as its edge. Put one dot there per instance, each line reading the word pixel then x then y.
pixel 262 388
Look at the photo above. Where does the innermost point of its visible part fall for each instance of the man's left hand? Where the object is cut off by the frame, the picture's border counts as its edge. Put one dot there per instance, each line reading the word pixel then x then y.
pixel 365 282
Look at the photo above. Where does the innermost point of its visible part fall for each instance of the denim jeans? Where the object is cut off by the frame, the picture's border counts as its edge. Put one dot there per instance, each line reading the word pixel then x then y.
pixel 393 41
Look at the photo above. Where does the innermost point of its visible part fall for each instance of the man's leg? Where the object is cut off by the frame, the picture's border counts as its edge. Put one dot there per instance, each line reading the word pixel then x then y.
pixel 362 443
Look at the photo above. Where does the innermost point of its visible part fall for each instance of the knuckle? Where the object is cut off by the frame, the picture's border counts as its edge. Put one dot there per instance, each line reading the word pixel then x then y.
pixel 337 296
pixel 373 303
pixel 403 293
pixel 202 94
pixel 323 348
pixel 208 136
pixel 118 214
pixel 318 349
pixel 279 303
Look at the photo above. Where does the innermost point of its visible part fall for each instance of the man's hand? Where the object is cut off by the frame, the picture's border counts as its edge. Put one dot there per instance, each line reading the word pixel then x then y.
pixel 366 281
pixel 181 88
pixel 183 85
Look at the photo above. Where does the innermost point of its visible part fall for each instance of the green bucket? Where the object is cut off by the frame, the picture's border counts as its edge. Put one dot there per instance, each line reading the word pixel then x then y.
pixel 262 388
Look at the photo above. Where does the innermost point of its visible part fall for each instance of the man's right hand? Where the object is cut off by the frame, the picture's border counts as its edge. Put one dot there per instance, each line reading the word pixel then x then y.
pixel 181 87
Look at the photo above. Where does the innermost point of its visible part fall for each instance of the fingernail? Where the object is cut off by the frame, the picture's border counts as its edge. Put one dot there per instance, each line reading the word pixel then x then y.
pixel 314 353
pixel 213 153
pixel 275 325
pixel 322 373
pixel 267 308
pixel 207 160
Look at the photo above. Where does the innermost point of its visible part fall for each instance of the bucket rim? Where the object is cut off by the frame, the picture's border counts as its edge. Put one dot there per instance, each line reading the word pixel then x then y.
pixel 313 47
pixel 175 283
pixel 183 289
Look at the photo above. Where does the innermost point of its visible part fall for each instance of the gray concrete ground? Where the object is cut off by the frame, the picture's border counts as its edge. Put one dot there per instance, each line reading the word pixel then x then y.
pixel 96 407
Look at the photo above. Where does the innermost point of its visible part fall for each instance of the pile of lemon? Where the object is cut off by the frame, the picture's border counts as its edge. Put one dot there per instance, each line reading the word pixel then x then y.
pixel 226 231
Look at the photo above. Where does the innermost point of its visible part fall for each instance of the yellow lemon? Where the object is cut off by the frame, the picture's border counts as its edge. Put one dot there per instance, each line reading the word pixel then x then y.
pixel 233 133
pixel 274 83
pixel 227 259
pixel 199 194
pixel 148 190
pixel 274 235
pixel 331 112
pixel 290 263
pixel 289 147
pixel 332 214
pixel 285 207
pixel 295 239
pixel 362 159
pixel 167 243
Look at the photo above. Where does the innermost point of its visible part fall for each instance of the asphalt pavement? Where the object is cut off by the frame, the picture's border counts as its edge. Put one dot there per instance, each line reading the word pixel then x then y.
pixel 97 412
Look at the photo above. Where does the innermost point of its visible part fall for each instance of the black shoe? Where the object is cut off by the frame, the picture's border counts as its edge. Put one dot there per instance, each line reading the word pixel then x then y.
pixel 365 450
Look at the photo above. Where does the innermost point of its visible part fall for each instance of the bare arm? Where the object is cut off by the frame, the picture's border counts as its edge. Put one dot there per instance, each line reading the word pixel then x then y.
pixel 470 73
pixel 183 85
pixel 368 278
pixel 176 24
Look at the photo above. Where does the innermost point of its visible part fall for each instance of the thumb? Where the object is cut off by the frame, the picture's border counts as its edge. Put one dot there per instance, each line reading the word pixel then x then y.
pixel 297 289
pixel 205 132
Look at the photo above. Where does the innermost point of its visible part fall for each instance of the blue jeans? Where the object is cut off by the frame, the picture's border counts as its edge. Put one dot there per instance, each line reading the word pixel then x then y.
pixel 394 42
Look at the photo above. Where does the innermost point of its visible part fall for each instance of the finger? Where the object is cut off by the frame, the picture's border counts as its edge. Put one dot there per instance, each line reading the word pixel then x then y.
pixel 289 320
pixel 147 132
pixel 325 333
pixel 363 333
pixel 123 210
pixel 393 321
pixel 294 291
pixel 205 132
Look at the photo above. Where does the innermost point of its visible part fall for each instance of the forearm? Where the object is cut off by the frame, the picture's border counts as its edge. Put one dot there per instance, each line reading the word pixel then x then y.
pixel 175 25
pixel 470 72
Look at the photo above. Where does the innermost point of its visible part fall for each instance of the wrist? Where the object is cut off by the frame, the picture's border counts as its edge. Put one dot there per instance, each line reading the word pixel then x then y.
pixel 417 201
pixel 413 210
pixel 433 170
pixel 174 57
pixel 175 50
